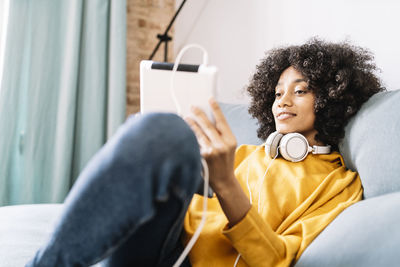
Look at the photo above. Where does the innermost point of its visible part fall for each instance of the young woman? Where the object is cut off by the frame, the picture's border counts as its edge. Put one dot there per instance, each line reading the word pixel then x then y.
pixel 130 206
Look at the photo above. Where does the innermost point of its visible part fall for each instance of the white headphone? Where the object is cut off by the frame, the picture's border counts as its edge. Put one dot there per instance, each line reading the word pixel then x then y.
pixel 293 146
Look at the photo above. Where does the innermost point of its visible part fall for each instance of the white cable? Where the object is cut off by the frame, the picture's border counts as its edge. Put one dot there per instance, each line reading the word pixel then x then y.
pixel 249 189
pixel 248 185
pixel 262 181
pixel 237 260
pixel 247 175
pixel 250 194
pixel 175 68
pixel 196 234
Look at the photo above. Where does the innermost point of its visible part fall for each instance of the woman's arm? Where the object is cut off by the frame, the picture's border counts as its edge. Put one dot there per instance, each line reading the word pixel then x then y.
pixel 217 147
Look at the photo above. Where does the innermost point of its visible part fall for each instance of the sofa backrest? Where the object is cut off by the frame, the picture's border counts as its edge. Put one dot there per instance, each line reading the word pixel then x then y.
pixel 371 145
pixel 242 124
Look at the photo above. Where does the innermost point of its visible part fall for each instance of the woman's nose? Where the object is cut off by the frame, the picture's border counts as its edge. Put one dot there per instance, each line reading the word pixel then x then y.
pixel 285 100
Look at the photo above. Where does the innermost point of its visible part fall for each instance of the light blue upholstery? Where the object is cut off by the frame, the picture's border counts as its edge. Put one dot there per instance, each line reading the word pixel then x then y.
pixel 372 144
pixel 365 234
pixel 242 124
pixel 22 229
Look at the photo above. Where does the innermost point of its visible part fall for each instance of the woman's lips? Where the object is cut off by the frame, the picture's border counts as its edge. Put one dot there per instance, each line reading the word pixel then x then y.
pixel 285 115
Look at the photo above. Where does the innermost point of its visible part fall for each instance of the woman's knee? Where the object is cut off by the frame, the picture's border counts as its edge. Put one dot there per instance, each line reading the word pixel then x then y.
pixel 166 125
pixel 163 134
pixel 171 152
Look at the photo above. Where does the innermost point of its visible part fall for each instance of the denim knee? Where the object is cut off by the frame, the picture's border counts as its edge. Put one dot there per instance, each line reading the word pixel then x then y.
pixel 166 132
pixel 164 140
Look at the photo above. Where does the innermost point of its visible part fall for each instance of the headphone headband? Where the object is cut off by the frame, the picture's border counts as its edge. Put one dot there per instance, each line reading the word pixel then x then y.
pixel 321 149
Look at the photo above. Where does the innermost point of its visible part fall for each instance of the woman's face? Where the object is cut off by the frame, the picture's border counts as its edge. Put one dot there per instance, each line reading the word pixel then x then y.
pixel 293 107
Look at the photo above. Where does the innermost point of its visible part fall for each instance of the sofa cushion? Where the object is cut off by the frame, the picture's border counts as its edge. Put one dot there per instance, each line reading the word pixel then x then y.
pixel 372 144
pixel 365 234
pixel 242 124
pixel 23 229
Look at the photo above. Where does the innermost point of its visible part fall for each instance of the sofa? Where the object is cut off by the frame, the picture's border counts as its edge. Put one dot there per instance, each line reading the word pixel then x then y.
pixel 365 234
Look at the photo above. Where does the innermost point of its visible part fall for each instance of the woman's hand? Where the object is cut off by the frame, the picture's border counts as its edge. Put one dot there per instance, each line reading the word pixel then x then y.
pixel 217 147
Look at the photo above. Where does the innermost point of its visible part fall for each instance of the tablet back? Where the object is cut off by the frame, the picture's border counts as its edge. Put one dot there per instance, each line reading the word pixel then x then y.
pixel 192 85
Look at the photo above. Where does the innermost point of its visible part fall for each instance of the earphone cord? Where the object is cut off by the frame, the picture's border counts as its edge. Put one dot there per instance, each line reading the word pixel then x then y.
pixel 175 68
pixel 196 234
pixel 262 181
pixel 203 218
pixel 259 192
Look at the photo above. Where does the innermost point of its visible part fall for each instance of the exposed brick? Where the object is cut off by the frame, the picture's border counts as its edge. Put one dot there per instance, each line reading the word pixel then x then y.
pixel 145 19
pixel 141 23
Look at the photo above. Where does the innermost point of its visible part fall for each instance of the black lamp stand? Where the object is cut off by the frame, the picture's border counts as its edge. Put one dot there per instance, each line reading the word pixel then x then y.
pixel 165 37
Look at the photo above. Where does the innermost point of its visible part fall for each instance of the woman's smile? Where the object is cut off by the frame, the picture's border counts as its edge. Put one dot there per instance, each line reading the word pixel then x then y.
pixel 284 115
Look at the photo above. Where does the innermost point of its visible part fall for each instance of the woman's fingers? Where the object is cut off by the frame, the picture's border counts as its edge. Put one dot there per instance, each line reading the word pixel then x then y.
pixel 201 137
pixel 214 139
pixel 221 123
pixel 217 112
pixel 206 148
pixel 206 125
pixel 217 145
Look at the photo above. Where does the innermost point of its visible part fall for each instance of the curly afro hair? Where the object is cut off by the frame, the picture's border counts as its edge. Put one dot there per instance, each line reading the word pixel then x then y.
pixel 341 76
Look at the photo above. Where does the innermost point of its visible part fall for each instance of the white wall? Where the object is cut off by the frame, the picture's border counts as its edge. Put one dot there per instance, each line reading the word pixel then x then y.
pixel 236 33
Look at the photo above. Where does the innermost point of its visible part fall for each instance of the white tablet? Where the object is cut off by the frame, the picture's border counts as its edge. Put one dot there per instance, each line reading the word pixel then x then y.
pixel 192 85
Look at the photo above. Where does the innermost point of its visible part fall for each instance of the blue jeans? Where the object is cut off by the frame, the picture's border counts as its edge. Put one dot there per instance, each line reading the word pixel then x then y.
pixel 128 204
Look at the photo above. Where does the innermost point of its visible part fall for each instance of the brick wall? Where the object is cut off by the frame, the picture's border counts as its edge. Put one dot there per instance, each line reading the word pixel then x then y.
pixel 145 19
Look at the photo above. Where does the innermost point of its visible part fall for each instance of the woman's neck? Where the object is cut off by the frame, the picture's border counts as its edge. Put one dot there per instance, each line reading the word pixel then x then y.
pixel 311 139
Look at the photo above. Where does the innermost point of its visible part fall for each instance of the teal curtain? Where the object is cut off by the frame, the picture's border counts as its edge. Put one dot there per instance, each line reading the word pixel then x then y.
pixel 62 94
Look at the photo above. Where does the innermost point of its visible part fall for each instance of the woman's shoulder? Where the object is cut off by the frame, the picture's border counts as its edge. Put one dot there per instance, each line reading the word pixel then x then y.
pixel 334 158
pixel 330 162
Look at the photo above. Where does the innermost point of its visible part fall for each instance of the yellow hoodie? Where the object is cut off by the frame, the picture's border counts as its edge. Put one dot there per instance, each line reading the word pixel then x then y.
pixel 298 200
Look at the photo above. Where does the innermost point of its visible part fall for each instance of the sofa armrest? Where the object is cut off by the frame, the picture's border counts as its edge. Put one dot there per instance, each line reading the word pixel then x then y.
pixel 365 234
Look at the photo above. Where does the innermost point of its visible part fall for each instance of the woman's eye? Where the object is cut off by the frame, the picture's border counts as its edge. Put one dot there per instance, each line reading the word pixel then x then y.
pixel 300 92
pixel 277 94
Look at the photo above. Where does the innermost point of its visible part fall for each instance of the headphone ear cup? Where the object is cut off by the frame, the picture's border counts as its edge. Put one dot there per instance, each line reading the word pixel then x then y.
pixel 272 143
pixel 294 147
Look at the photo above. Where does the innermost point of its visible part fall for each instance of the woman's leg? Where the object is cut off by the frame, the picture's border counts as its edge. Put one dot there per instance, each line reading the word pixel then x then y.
pixel 129 202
